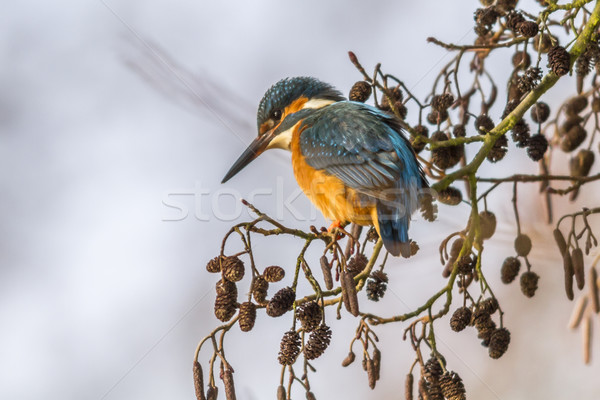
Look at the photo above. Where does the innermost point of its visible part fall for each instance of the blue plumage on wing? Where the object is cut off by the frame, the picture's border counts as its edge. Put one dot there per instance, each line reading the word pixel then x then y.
pixel 342 147
pixel 367 150
pixel 362 138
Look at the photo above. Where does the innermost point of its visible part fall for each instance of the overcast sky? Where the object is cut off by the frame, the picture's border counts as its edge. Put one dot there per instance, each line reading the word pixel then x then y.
pixel 118 120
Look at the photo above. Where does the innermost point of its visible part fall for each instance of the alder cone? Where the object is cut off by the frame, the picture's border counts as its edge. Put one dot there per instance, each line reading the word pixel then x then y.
pixel 281 302
pixel 510 269
pixel 317 342
pixel 499 343
pixel 460 319
pixel 226 300
pixel 289 348
pixel 529 283
pixel 247 316
pixel 310 315
pixel 232 269
pixel 360 91
pixel 450 196
pixel 273 274
pixel 487 221
pixel 523 245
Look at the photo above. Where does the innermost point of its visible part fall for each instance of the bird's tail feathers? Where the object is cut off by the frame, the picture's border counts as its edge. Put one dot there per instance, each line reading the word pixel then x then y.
pixel 392 226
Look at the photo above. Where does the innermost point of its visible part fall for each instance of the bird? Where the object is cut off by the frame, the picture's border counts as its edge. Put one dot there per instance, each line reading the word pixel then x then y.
pixel 352 160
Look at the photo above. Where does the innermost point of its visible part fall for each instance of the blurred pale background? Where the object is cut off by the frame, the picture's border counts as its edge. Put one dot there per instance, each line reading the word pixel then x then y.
pixel 104 296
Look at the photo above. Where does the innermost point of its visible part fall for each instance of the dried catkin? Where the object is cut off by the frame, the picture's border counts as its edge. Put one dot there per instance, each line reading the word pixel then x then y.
pixel 594 292
pixel 568 269
pixel 408 387
pixel 229 385
pixel 281 395
pixel 577 256
pixel 377 363
pixel 198 381
pixel 349 359
pixel 212 393
pixel 577 313
pixel 349 295
pixel 587 339
pixel 326 268
pixel 560 241
pixel 371 373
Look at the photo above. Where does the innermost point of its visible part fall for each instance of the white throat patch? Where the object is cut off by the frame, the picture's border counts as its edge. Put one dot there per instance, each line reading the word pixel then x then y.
pixel 317 103
pixel 284 139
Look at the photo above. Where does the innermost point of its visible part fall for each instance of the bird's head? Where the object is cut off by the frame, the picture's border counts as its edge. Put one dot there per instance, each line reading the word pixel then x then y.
pixel 283 106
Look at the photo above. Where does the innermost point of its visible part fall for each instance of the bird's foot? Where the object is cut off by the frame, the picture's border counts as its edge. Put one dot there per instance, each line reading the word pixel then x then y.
pixel 334 225
pixel 336 229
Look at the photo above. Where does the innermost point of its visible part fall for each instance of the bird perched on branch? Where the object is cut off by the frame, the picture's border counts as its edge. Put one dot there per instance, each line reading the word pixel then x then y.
pixel 351 159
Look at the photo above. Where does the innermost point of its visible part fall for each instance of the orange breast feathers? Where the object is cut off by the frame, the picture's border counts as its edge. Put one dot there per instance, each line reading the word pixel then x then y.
pixel 328 193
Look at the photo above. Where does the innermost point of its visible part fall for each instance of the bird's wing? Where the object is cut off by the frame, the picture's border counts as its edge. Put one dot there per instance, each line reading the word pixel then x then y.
pixel 367 150
pixel 361 146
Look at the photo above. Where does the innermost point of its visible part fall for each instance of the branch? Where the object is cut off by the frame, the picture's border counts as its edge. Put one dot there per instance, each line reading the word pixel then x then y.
pixel 451 46
pixel 541 178
pixel 509 122
pixel 552 6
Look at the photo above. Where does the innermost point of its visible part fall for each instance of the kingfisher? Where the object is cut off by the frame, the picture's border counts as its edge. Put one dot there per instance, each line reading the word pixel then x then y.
pixel 352 160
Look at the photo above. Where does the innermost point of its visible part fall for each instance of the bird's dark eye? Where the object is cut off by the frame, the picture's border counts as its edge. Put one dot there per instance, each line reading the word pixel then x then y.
pixel 276 115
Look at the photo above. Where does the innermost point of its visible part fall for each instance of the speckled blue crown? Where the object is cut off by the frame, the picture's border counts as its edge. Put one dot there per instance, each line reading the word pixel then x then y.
pixel 284 92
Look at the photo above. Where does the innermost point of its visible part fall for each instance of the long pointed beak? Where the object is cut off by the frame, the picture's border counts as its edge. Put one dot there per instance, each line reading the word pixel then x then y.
pixel 255 149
